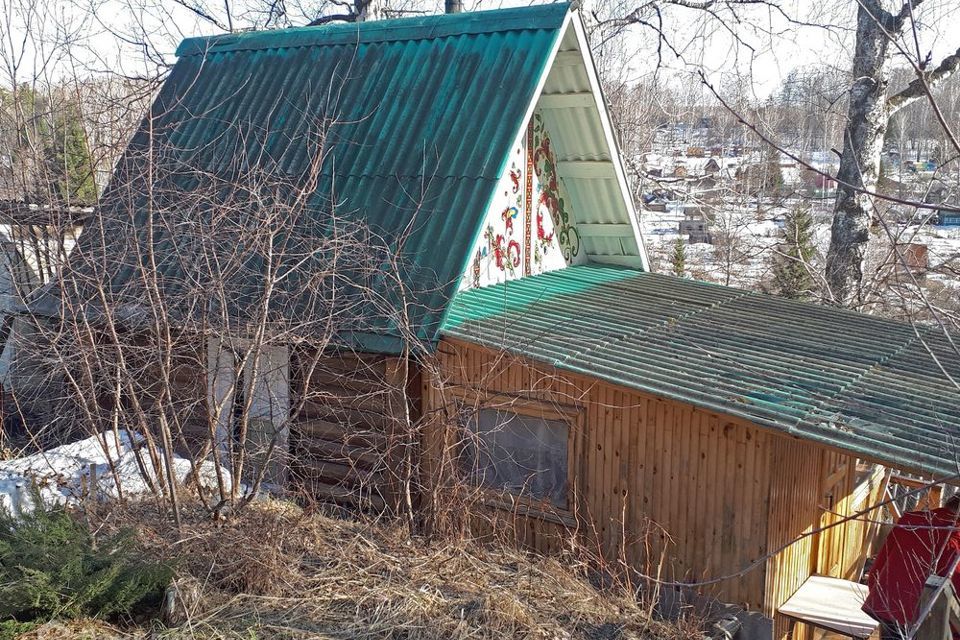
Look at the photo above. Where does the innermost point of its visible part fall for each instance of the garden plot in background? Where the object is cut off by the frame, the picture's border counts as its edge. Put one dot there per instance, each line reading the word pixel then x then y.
pixel 744 242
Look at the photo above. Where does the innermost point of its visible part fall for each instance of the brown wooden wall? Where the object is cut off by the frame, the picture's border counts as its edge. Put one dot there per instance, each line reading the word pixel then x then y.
pixel 713 493
pixel 345 415
pixel 345 410
pixel 812 494
pixel 179 399
pixel 188 390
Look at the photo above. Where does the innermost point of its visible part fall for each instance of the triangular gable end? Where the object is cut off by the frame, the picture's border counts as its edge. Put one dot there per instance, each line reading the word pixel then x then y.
pixel 562 197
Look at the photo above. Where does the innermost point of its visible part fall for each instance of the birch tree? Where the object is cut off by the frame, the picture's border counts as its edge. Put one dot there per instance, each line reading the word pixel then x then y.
pixel 869 112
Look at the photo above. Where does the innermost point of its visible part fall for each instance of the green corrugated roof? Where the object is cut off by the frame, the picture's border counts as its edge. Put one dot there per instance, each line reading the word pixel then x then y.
pixel 865 384
pixel 426 108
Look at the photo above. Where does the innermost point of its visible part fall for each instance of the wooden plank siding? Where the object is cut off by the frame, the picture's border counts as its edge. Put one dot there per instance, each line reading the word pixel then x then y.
pixel 815 488
pixel 793 517
pixel 673 490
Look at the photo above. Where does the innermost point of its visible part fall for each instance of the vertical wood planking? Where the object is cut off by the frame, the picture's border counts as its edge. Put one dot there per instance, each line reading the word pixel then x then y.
pixel 726 491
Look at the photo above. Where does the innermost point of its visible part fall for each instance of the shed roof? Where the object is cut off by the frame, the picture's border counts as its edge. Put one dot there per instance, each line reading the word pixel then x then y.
pixel 424 110
pixel 861 383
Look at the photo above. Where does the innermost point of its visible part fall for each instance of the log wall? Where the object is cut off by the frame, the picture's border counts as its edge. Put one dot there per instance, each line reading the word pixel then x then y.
pixel 346 414
pixel 188 390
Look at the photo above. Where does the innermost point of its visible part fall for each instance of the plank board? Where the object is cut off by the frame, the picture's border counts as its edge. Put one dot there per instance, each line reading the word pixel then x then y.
pixel 832 604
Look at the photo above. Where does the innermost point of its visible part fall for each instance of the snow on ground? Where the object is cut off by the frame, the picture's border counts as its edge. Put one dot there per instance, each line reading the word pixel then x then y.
pixel 62 474
pixel 754 237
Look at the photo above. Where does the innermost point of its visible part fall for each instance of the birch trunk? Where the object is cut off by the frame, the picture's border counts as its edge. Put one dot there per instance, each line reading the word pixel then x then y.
pixel 863 138
pixel 868 115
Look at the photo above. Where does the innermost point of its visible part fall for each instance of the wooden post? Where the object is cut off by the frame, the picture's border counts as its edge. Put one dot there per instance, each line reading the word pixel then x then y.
pixel 935 496
pixel 400 438
pixel 940 602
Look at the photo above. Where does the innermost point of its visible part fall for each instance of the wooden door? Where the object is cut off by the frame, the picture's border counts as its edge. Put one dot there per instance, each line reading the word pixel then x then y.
pixel 830 541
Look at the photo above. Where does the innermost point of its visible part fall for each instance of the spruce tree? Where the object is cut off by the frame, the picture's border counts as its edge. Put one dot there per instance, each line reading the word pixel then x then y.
pixel 679 260
pixel 772 174
pixel 791 264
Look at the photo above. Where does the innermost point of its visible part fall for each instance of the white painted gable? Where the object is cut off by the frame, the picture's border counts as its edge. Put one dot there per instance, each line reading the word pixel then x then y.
pixel 563 197
pixel 529 228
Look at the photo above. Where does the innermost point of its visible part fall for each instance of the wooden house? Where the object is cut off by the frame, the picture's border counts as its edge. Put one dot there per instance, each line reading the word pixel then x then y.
pixel 727 437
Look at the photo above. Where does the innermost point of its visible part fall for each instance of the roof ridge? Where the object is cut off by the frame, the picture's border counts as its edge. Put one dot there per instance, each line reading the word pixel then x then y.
pixel 429 27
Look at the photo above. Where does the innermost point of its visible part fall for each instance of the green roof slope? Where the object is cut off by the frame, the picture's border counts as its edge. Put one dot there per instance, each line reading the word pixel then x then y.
pixel 864 384
pixel 425 111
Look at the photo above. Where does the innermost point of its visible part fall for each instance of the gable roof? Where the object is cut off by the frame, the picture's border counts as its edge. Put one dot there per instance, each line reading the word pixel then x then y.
pixel 425 112
pixel 864 384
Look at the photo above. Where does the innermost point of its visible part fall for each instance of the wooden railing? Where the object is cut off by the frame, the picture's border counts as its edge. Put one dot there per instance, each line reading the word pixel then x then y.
pixel 939 610
pixel 929 497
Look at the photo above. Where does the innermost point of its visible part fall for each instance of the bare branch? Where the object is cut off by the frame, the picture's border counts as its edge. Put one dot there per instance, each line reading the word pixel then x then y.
pixel 200 12
pixel 919 87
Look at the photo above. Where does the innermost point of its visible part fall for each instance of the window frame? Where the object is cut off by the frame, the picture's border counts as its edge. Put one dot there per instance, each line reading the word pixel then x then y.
pixel 544 409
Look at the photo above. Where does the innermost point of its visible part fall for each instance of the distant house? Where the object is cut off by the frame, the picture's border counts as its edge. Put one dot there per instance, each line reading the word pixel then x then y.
pixel 818 183
pixel 659 207
pixel 916 255
pixel 508 336
pixel 948 217
pixel 910 261
pixel 696 229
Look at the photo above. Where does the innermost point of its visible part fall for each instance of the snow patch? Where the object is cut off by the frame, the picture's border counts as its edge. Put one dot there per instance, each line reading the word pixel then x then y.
pixel 62 474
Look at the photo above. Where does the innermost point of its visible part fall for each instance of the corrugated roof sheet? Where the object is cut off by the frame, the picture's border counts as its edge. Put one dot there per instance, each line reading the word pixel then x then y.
pixel 861 383
pixel 425 110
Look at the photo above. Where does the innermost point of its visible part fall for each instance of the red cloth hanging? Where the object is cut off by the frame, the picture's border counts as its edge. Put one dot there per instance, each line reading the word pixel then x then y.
pixel 922 543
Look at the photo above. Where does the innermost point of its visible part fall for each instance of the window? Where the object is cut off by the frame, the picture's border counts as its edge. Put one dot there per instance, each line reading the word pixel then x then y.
pixel 523 454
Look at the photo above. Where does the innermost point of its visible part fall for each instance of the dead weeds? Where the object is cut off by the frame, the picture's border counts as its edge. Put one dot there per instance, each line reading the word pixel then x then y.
pixel 275 571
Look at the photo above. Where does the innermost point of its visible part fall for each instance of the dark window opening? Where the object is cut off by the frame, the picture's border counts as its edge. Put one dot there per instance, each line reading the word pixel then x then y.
pixel 522 454
pixel 239 401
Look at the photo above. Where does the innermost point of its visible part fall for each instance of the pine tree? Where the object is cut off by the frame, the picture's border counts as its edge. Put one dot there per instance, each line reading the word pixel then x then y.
pixel 679 260
pixel 51 161
pixel 69 161
pixel 791 265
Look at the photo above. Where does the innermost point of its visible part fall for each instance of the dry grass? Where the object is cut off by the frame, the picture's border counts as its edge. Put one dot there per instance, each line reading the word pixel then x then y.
pixel 75 630
pixel 275 571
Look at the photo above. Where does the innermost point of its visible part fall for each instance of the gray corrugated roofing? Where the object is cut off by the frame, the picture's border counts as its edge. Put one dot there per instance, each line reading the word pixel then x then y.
pixel 425 112
pixel 861 383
